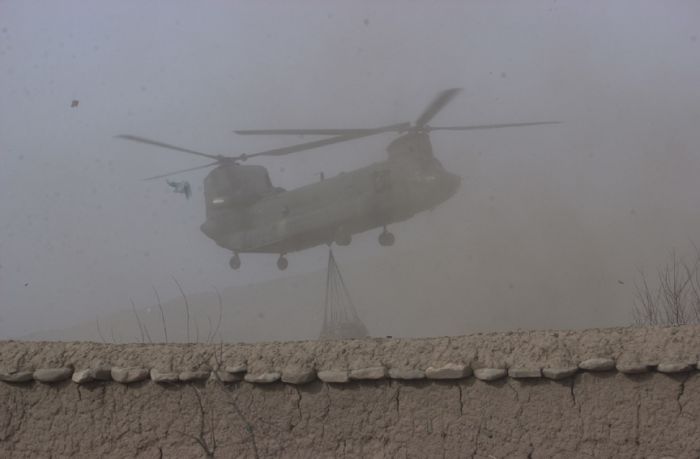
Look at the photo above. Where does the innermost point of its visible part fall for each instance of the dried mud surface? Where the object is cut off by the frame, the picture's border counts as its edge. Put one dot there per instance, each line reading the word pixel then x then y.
pixel 591 415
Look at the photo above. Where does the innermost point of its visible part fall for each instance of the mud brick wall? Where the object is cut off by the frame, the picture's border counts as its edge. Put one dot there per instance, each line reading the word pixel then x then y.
pixel 625 392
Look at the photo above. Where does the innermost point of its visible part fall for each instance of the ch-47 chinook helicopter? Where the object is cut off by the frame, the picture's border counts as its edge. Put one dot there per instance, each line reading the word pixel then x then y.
pixel 245 213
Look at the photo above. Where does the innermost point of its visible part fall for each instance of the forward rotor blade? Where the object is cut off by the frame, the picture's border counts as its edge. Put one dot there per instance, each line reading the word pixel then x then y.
pixel 303 131
pixel 182 170
pixel 156 143
pixel 436 105
pixel 488 126
pixel 320 143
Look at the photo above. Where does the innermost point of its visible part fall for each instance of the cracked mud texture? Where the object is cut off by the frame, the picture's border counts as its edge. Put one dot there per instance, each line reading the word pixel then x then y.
pixel 605 414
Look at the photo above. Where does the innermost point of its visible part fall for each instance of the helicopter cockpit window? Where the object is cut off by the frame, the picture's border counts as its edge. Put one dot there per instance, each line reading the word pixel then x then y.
pixel 236 185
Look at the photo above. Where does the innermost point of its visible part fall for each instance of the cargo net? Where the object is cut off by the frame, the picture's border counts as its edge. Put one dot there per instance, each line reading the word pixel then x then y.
pixel 340 320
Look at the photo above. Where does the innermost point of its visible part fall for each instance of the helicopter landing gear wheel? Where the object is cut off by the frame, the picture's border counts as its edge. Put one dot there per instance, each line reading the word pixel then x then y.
pixel 282 263
pixel 235 262
pixel 386 239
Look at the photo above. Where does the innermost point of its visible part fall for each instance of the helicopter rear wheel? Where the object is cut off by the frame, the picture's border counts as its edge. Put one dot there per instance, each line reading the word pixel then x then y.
pixel 235 262
pixel 386 239
pixel 282 263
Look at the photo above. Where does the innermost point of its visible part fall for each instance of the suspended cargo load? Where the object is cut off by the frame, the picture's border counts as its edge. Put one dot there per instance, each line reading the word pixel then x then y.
pixel 340 319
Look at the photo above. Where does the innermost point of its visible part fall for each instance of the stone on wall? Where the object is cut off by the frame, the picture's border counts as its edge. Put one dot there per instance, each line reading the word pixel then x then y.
pixel 51 375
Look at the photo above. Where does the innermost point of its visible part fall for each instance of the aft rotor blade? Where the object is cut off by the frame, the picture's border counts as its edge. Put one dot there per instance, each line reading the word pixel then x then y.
pixel 488 126
pixel 182 170
pixel 320 143
pixel 436 105
pixel 303 131
pixel 157 143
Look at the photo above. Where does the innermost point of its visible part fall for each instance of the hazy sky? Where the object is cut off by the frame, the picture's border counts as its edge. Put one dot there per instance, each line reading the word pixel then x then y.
pixel 80 232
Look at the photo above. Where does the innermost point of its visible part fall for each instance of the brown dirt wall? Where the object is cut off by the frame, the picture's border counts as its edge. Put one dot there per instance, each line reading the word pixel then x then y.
pixel 590 414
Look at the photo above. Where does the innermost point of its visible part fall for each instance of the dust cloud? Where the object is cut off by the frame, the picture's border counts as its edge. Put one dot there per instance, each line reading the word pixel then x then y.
pixel 548 228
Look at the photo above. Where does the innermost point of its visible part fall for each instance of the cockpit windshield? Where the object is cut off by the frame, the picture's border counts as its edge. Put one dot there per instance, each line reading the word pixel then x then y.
pixel 233 185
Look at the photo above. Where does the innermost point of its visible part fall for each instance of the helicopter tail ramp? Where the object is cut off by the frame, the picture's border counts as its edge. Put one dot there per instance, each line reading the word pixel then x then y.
pixel 621 392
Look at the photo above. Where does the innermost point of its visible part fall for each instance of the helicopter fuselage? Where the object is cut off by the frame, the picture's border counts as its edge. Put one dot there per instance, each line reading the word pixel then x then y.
pixel 247 214
pixel 332 209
